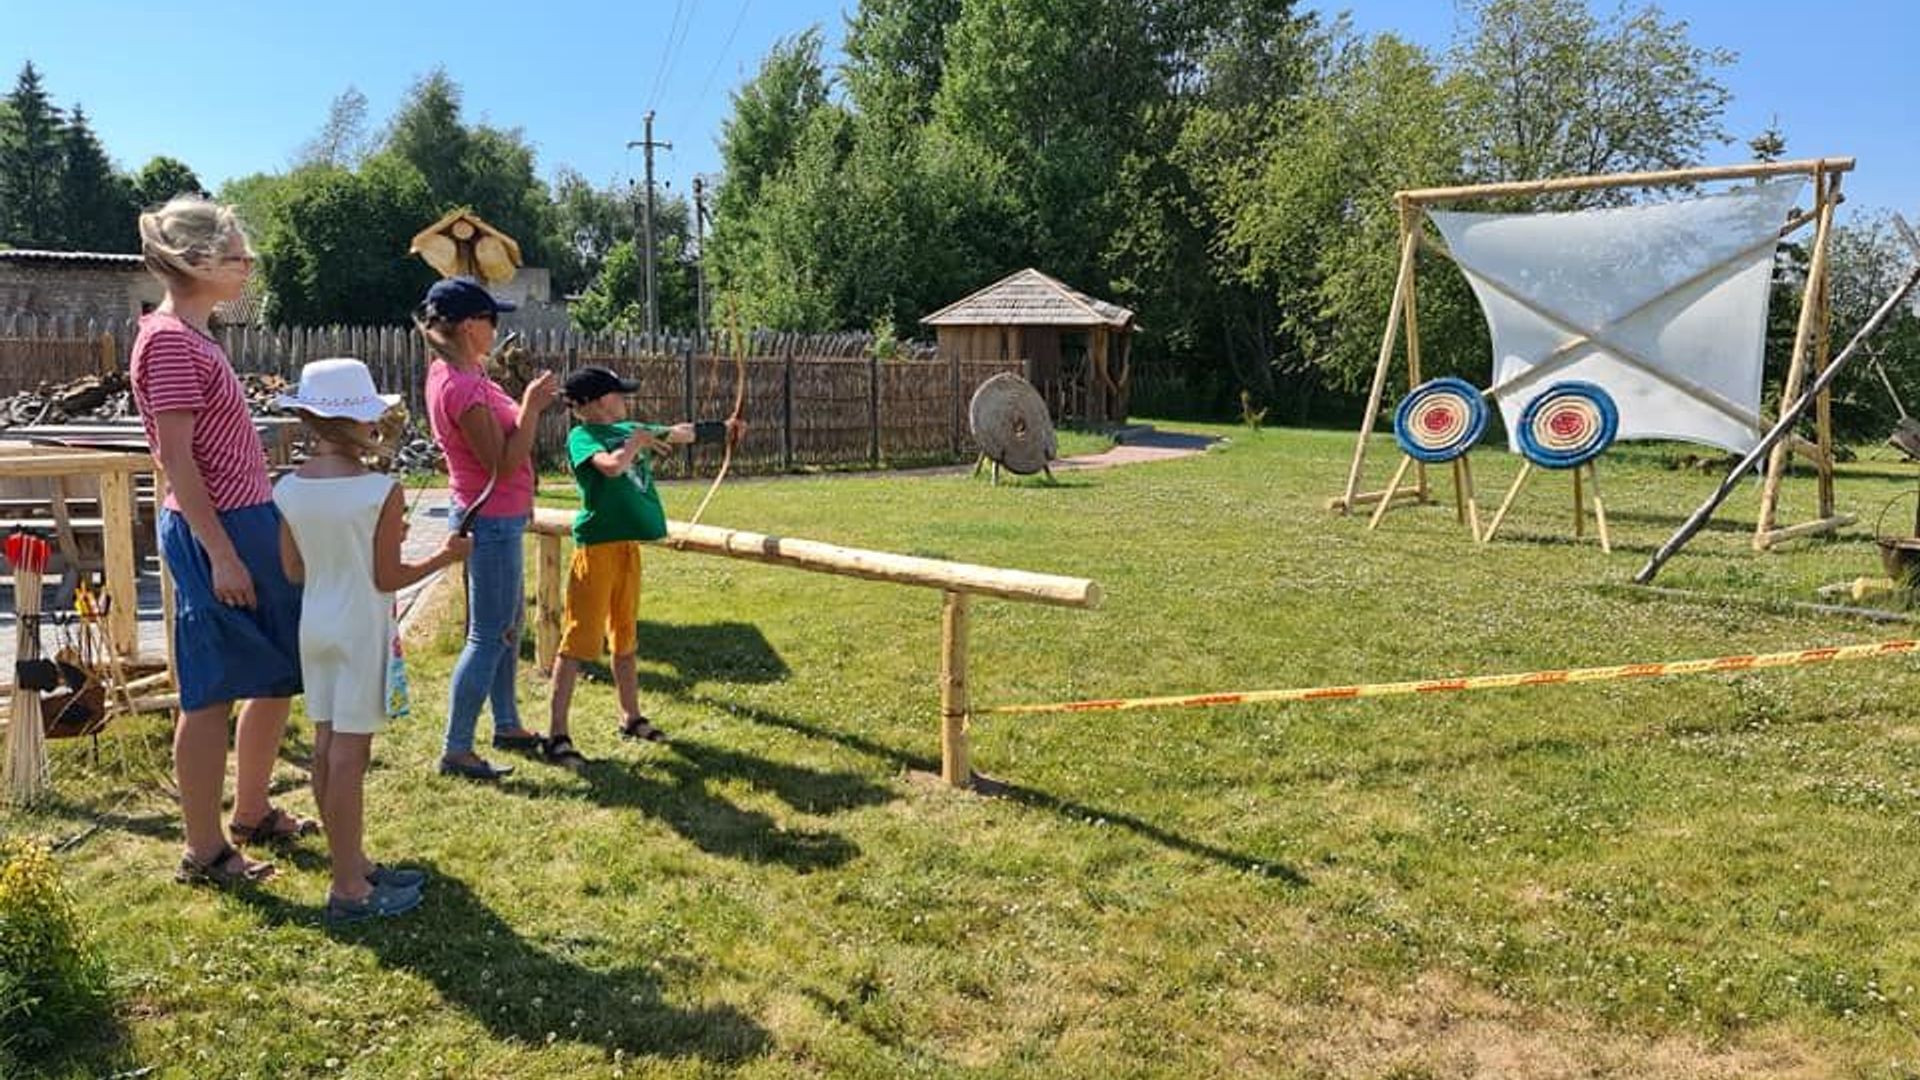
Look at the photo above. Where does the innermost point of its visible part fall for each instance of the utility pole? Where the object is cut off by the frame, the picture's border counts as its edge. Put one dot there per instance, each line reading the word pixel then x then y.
pixel 700 263
pixel 650 293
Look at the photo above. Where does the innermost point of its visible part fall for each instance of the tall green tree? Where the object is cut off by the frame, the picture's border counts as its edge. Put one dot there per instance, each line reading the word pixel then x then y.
pixel 343 139
pixel 896 56
pixel 334 243
pixel 1311 216
pixel 97 203
pixel 770 112
pixel 1545 88
pixel 162 178
pixel 31 156
pixel 1054 91
pixel 428 134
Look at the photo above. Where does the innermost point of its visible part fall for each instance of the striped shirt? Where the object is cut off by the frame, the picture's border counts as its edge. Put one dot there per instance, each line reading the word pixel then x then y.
pixel 177 369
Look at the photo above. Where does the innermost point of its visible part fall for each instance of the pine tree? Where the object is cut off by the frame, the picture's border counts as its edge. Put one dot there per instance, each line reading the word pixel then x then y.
pixel 97 203
pixel 30 159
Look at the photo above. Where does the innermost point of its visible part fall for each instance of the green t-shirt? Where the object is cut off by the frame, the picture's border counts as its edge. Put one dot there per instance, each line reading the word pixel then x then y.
pixel 623 507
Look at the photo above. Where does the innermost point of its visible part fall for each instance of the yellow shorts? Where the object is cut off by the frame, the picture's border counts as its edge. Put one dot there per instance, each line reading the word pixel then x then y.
pixel 603 599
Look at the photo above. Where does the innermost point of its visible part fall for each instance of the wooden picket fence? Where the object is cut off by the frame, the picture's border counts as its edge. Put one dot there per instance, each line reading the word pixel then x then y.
pixel 812 400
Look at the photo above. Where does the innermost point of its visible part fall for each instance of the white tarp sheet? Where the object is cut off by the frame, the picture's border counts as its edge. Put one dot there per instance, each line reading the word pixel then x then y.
pixel 1664 305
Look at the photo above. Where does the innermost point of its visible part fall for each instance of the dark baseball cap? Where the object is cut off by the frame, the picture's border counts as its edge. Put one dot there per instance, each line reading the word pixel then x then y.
pixel 589 383
pixel 457 298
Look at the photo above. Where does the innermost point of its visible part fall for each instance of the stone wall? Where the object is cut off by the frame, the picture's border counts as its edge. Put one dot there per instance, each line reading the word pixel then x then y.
pixel 83 291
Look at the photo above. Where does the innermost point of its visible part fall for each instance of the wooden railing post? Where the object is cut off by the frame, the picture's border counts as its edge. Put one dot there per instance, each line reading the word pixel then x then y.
pixel 687 402
pixel 549 592
pixel 955 768
pixel 786 414
pixel 873 411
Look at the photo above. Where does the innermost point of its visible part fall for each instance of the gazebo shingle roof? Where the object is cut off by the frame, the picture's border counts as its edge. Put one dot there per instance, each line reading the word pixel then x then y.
pixel 1029 298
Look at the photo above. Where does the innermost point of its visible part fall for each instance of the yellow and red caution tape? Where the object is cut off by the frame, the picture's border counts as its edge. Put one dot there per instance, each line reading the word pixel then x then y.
pixel 1714 666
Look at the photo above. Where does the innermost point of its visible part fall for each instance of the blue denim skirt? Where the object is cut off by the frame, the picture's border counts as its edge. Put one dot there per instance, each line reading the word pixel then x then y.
pixel 226 653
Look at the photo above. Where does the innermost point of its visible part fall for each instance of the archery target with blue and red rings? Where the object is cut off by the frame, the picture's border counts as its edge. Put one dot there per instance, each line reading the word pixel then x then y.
pixel 1568 425
pixel 1439 420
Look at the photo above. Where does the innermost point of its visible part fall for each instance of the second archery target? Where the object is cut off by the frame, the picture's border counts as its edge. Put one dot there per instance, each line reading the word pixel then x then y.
pixel 1567 426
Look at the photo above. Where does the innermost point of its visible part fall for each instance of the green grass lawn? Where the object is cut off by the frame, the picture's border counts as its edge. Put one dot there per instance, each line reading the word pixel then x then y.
pixel 1699 877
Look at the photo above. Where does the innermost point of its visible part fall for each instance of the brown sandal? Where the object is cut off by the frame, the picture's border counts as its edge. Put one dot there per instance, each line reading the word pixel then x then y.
pixel 275 827
pixel 227 868
pixel 639 727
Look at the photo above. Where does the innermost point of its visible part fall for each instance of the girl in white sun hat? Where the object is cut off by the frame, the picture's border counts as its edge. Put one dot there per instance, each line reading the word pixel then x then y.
pixel 341 532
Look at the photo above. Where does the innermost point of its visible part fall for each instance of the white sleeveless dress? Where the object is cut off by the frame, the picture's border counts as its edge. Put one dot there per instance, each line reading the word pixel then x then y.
pixel 346 624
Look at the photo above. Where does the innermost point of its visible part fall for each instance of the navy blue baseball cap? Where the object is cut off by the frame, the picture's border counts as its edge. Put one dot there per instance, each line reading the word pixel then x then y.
pixel 457 298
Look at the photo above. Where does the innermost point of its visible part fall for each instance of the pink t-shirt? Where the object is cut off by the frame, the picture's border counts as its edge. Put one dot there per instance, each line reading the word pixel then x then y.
pixel 451 392
pixel 175 368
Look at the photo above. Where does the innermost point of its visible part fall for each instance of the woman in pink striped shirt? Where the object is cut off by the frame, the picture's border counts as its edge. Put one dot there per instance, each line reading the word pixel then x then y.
pixel 236 616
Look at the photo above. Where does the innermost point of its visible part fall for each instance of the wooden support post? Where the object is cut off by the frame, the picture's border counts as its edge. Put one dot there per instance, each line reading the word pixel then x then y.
pixel 1519 479
pixel 873 412
pixel 1410 227
pixel 1797 366
pixel 955 767
pixel 1459 493
pixel 1599 508
pixel 1466 486
pixel 1579 505
pixel 1368 498
pixel 1409 243
pixel 549 587
pixel 117 522
pixel 1399 474
pixel 1823 405
pixel 786 411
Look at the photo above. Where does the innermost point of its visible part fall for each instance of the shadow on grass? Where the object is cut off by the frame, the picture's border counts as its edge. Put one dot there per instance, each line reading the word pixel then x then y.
pixel 480 965
pixel 679 798
pixel 733 652
pixel 1025 796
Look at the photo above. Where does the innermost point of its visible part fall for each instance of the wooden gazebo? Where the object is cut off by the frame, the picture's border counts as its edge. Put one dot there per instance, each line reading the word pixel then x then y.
pixel 1075 347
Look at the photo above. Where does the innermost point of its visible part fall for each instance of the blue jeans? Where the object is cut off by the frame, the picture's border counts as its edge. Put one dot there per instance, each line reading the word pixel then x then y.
pixel 496 605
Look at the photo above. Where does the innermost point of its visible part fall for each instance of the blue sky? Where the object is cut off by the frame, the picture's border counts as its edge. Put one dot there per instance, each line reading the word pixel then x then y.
pixel 235 88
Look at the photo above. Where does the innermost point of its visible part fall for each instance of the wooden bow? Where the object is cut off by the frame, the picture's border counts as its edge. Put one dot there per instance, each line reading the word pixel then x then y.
pixel 739 408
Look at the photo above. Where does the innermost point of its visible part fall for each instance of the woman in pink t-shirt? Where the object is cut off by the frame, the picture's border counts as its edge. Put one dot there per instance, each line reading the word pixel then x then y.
pixel 236 616
pixel 488 440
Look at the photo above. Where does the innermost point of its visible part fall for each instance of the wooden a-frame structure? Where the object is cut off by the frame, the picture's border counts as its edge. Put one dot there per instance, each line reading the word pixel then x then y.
pixel 1810 339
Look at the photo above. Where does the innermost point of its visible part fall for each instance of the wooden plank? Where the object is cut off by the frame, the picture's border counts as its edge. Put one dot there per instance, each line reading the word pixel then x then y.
pixel 549 588
pixel 117 507
pixel 1656 178
pixel 1368 498
pixel 1806 528
pixel 44 463
pixel 826 558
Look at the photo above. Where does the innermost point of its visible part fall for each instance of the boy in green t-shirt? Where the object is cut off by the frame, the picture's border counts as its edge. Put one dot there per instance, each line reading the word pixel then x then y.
pixel 619 507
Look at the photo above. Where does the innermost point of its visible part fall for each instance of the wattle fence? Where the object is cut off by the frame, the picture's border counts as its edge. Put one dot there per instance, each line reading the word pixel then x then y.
pixel 811 400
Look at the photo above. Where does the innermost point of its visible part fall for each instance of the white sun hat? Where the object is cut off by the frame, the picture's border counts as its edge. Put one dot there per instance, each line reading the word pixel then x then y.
pixel 340 387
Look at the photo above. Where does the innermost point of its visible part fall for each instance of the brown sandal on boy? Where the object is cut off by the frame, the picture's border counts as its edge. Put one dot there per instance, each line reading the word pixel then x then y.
pixel 227 868
pixel 639 727
pixel 276 826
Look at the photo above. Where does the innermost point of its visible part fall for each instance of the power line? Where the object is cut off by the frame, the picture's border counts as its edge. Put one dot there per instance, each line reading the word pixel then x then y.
pixel 720 59
pixel 670 46
pixel 666 50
